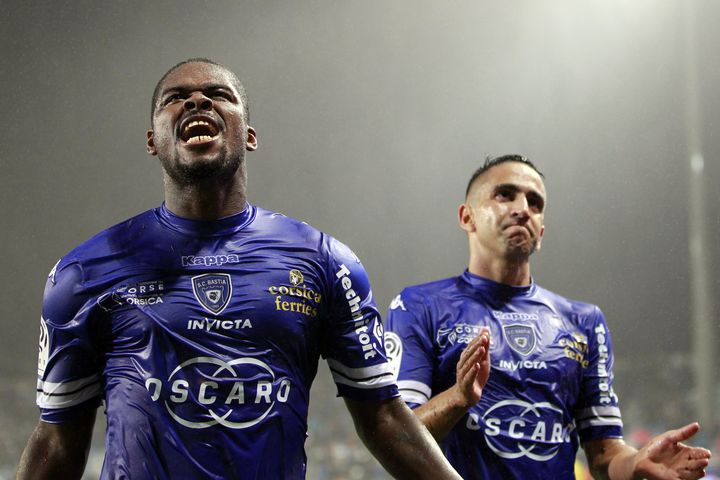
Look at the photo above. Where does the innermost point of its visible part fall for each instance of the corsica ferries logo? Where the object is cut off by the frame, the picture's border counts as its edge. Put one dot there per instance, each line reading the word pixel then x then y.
pixel 296 297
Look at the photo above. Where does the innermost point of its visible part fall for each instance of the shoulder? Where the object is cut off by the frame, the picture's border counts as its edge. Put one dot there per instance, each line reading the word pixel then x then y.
pixel 279 223
pixel 583 312
pixel 417 296
pixel 102 250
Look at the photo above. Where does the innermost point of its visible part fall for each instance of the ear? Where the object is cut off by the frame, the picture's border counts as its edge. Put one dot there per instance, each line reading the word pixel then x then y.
pixel 465 218
pixel 151 143
pixel 251 144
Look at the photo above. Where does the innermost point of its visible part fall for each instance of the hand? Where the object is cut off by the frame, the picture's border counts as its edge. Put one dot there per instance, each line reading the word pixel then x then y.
pixel 666 458
pixel 473 369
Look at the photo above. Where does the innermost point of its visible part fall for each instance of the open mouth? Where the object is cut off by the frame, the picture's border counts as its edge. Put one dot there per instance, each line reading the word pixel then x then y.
pixel 199 131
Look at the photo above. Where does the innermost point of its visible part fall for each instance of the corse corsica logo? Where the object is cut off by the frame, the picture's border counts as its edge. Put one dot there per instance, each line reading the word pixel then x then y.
pixel 213 291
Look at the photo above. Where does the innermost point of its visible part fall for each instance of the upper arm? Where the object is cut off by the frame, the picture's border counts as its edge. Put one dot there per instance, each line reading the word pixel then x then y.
pixel 69 363
pixel 597 413
pixel 353 344
pixel 410 349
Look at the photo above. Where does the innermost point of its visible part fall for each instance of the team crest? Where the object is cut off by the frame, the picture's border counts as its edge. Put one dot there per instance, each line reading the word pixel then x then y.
pixel 521 338
pixel 213 291
pixel 296 277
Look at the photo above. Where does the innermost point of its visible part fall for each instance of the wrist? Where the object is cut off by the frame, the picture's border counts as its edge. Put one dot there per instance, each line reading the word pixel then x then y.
pixel 460 401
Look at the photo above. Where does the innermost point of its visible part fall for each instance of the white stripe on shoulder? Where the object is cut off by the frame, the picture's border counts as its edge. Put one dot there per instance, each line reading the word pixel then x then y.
pixel 67 394
pixel 376 376
pixel 598 412
pixel 416 386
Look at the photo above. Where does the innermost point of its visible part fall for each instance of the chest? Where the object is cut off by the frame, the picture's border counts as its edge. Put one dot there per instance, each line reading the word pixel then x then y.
pixel 532 347
pixel 225 307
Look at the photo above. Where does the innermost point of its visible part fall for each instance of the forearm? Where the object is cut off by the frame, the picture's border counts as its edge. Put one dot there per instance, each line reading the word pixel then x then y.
pixel 400 443
pixel 611 460
pixel 57 451
pixel 442 412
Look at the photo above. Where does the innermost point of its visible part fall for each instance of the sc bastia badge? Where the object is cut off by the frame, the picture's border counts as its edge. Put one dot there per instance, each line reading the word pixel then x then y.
pixel 521 338
pixel 213 291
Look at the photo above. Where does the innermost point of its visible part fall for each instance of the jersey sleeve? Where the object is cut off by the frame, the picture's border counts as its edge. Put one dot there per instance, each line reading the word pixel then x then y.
pixel 598 413
pixel 69 372
pixel 354 345
pixel 409 344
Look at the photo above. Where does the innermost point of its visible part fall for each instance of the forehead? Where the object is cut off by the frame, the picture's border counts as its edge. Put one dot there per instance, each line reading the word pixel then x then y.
pixel 510 173
pixel 198 74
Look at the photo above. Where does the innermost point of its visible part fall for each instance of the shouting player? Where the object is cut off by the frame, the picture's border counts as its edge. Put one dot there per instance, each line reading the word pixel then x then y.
pixel 200 323
pixel 550 379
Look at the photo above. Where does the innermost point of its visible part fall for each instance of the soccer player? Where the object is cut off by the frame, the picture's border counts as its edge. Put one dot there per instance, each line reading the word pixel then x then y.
pixel 550 379
pixel 200 323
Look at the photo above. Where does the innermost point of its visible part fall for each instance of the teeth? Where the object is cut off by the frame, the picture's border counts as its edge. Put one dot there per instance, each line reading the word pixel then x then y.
pixel 196 122
pixel 199 138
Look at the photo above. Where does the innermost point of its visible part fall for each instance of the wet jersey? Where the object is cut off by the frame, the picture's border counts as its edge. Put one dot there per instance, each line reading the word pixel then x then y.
pixel 203 338
pixel 550 381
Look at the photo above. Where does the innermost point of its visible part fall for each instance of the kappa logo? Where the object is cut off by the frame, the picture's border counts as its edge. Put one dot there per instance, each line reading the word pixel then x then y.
pixel 213 291
pixel 521 338
pixel 296 277
pixel 397 303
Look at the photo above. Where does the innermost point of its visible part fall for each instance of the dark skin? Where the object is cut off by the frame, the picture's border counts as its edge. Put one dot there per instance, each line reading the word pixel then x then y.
pixel 200 134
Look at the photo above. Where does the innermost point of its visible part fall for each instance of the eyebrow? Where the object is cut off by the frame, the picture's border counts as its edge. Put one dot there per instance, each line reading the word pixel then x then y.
pixel 515 188
pixel 204 87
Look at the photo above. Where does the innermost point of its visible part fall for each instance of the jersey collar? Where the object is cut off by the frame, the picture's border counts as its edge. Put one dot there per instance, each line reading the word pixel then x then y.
pixel 206 228
pixel 495 289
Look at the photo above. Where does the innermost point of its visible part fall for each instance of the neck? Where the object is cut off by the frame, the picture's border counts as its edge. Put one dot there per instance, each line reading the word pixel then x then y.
pixel 206 200
pixel 514 272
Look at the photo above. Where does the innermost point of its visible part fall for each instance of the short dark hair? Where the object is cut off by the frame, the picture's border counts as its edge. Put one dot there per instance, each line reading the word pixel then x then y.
pixel 236 83
pixel 490 162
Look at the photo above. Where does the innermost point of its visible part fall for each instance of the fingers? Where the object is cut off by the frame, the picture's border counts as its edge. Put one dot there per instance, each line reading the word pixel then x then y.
pixel 683 433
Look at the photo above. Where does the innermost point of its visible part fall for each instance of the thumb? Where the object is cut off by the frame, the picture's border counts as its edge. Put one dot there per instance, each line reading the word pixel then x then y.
pixel 683 433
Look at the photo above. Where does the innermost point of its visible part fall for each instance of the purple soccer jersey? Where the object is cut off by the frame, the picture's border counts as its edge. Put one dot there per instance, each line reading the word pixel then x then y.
pixel 550 383
pixel 203 338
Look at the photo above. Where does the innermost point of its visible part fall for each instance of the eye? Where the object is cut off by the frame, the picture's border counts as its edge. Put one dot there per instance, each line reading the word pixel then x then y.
pixel 536 203
pixel 222 95
pixel 173 97
pixel 504 194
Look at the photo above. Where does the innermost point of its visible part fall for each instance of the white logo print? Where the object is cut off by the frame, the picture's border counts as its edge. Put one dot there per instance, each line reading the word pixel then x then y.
pixel 515 429
pixel 44 350
pixel 393 350
pixel 207 391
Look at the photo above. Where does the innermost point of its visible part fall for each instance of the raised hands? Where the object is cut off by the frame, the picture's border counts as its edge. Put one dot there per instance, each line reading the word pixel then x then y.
pixel 473 368
pixel 665 457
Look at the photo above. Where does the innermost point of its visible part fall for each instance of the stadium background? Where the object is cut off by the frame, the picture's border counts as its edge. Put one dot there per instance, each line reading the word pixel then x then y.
pixel 371 116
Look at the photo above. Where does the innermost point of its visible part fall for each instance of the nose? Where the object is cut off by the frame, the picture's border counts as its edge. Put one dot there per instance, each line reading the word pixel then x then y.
pixel 197 101
pixel 521 207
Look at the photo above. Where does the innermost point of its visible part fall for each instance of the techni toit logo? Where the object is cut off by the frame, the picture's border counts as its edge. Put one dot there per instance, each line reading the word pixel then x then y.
pixel 296 297
pixel 516 428
pixel 207 391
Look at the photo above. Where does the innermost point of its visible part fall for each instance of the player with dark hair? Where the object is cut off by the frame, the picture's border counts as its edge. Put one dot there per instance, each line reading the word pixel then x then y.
pixel 200 323
pixel 547 386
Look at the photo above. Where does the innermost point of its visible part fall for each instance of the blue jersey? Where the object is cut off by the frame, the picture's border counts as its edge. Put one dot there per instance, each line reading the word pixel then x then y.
pixel 550 381
pixel 203 338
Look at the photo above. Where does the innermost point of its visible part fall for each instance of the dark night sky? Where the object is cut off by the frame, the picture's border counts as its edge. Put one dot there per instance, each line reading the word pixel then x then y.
pixel 371 117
